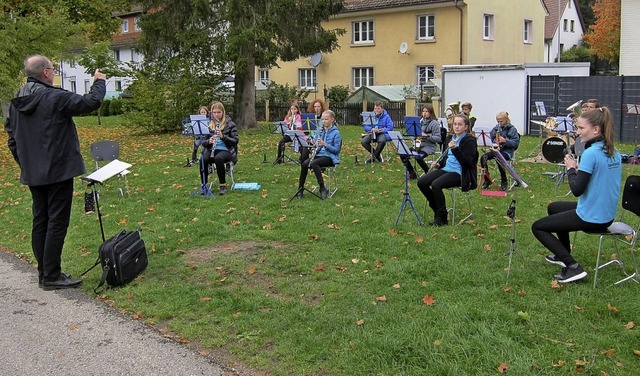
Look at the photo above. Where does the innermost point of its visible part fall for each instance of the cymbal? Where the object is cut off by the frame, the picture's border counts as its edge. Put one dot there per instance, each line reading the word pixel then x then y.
pixel 538 122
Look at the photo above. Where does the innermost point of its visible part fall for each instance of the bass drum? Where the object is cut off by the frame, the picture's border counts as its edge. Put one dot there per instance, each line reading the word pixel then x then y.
pixel 553 149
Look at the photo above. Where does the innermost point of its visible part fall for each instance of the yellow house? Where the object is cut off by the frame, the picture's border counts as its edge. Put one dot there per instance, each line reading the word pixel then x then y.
pixel 406 42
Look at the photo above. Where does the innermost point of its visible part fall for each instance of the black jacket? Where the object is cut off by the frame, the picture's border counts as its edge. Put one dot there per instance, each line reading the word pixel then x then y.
pixel 42 135
pixel 230 139
pixel 467 154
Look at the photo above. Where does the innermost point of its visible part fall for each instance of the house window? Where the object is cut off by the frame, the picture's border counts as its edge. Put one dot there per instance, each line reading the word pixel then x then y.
pixel 116 54
pixel 565 22
pixel 136 25
pixel 362 77
pixel 72 86
pixel 424 73
pixel 263 75
pixel 307 78
pixel 488 28
pixel 118 85
pixel 573 26
pixel 527 37
pixel 125 26
pixel 72 64
pixel 87 86
pixel 426 27
pixel 362 32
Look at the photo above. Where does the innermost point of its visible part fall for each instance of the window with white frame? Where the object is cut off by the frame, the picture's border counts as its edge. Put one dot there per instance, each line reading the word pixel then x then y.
pixel 362 32
pixel 118 85
pixel 116 54
pixel 488 28
pixel 136 25
pixel 424 73
pixel 72 64
pixel 527 37
pixel 362 76
pixel 263 75
pixel 307 78
pixel 87 86
pixel 125 26
pixel 72 86
pixel 426 27
pixel 573 26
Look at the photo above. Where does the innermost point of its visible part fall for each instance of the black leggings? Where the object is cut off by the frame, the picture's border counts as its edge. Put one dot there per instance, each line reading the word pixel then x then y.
pixel 220 157
pixel 432 184
pixel 489 155
pixel 316 165
pixel 562 220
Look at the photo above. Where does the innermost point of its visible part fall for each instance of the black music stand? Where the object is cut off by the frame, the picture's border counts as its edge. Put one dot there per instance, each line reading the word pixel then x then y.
pixel 278 127
pixel 369 118
pixel 282 128
pixel 195 121
pixel 101 175
pixel 301 139
pixel 634 109
pixel 511 210
pixel 203 131
pixel 405 151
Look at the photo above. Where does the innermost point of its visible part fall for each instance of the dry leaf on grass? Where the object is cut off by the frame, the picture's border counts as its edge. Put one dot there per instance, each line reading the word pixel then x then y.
pixel 428 300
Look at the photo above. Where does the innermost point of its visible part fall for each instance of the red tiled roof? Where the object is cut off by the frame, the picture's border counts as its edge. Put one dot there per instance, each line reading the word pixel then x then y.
pixel 360 5
pixel 552 20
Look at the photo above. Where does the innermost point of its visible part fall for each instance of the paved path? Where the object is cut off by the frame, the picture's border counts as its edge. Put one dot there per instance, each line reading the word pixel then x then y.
pixel 66 332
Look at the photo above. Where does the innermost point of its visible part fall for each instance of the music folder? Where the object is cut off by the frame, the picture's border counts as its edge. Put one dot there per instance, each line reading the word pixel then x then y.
pixel 107 171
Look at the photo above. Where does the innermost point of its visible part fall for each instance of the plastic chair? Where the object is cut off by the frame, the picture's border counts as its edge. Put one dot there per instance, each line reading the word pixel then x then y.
pixel 622 232
pixel 107 151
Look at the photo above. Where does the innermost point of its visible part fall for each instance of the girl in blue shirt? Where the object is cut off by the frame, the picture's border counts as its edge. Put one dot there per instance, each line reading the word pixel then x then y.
pixel 596 183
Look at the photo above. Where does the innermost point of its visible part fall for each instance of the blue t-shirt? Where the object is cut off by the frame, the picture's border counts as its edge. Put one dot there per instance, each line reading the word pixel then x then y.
pixel 599 202
pixel 220 145
pixel 453 165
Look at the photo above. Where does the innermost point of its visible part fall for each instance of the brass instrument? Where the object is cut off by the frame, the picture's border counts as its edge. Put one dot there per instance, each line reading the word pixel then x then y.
pixel 452 110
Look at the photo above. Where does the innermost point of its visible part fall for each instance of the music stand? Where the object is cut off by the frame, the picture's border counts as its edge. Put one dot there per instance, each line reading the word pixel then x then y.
pixel 101 175
pixel 484 140
pixel 309 122
pixel 301 139
pixel 511 210
pixel 369 119
pixel 202 130
pixel 279 127
pixel 282 128
pixel 405 151
pixel 634 109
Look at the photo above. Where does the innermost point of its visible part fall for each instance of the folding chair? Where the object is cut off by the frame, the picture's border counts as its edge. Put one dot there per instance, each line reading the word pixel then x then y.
pixel 454 193
pixel 623 232
pixel 330 177
pixel 228 170
pixel 107 151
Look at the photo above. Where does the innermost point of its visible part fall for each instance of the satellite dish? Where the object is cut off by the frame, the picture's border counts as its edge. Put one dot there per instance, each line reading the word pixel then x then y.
pixel 404 47
pixel 316 59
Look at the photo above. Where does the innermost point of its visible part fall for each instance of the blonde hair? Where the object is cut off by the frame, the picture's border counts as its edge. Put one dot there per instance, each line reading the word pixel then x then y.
pixel 218 106
pixel 503 114
pixel 601 117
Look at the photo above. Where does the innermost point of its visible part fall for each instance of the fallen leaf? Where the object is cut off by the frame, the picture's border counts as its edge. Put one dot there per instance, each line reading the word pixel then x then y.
pixel 507 289
pixel 382 298
pixel 555 284
pixel 319 268
pixel 419 240
pixel 282 218
pixel 493 227
pixel 522 293
pixel 360 322
pixel 342 268
pixel 267 226
pixel 453 237
pixel 560 364
pixel 235 223
pixel 437 342
pixel 314 236
pixel 74 326
pixel 428 300
pixel 264 194
pixel 480 235
pixel 487 247
pixel 609 353
pixel 378 264
pixel 579 365
pixel 612 309
pixel 637 352
pixel 423 283
pixel 393 232
pixel 122 221
pixel 503 368
pixel 355 261
pixel 206 298
pixel 578 308
pixel 396 286
pixel 252 270
pixel 630 325
pixel 355 221
pixel 524 315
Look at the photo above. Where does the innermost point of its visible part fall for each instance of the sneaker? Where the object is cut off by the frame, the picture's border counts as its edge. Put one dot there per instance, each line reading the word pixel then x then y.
pixel 571 273
pixel 553 260
pixel 369 160
pixel 324 193
pixel 413 175
pixel 189 163
pixel 486 184
pixel 223 190
pixel 503 185
pixel 380 159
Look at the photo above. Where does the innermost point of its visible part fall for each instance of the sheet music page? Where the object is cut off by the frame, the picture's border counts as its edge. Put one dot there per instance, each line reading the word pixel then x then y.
pixel 108 171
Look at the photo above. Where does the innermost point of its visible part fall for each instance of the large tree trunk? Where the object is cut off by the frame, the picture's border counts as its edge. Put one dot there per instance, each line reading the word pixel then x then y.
pixel 244 98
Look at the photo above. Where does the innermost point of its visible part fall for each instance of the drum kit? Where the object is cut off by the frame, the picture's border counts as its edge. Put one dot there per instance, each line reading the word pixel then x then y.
pixel 554 147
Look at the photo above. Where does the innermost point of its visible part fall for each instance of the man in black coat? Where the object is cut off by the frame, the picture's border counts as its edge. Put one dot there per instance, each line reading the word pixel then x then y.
pixel 44 142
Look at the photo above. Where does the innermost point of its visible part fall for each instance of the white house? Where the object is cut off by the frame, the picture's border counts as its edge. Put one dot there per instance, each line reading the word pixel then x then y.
pixel 629 46
pixel 563 27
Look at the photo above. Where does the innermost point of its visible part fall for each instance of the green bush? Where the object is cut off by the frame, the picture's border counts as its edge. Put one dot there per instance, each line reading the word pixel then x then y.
pixel 115 107
pixel 338 93
pixel 104 108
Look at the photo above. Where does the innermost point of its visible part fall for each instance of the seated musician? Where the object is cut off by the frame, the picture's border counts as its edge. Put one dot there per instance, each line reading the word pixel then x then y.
pixel 327 153
pixel 378 132
pixel 317 107
pixel 294 121
pixel 221 147
pixel 429 139
pixel 506 136
pixel 456 168
pixel 466 109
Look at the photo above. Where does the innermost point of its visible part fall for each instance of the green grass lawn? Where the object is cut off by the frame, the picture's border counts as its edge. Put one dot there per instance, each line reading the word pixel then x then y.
pixel 334 287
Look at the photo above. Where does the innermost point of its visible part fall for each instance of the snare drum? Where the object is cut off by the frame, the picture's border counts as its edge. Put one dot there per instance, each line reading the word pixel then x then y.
pixel 553 149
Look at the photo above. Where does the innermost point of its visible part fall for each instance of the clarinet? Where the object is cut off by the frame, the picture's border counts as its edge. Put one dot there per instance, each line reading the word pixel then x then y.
pixel 317 147
pixel 454 137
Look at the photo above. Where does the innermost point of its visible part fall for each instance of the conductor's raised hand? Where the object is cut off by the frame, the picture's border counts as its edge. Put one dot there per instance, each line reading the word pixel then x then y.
pixel 99 75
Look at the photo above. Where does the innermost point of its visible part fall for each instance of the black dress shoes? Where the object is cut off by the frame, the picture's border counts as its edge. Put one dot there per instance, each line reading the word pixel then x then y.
pixel 324 193
pixel 64 281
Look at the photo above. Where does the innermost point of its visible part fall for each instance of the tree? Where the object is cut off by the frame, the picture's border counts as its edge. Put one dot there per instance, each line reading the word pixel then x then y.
pixel 586 9
pixel 604 35
pixel 338 93
pixel 235 36
pixel 51 28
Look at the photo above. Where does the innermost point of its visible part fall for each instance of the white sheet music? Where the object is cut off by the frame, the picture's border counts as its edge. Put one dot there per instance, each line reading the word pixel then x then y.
pixel 108 171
